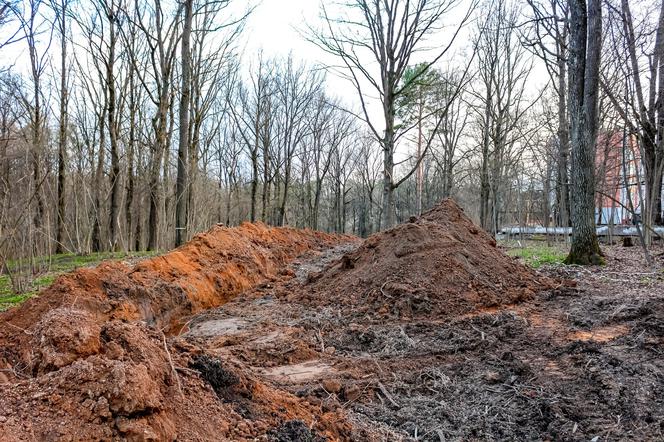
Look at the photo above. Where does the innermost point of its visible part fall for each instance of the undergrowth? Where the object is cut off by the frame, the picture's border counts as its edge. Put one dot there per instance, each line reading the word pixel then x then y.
pixel 537 255
pixel 56 265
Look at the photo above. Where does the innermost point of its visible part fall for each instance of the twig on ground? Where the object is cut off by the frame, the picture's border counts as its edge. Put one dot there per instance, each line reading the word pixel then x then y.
pixel 388 395
pixel 170 360
pixel 19 328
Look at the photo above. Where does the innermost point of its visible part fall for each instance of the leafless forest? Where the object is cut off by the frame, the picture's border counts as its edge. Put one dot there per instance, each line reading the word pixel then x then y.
pixel 420 220
pixel 131 125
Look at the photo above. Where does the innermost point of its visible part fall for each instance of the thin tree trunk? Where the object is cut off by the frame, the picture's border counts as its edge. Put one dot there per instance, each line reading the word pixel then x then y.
pixel 130 163
pixel 113 224
pixel 183 151
pixel 388 215
pixel 563 147
pixel 62 138
pixel 99 186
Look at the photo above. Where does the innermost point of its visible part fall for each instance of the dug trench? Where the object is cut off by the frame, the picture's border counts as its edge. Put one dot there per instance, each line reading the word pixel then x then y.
pixel 427 331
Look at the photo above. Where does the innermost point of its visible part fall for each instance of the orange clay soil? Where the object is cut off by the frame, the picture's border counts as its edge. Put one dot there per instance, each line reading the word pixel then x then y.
pixel 89 358
pixel 99 355
pixel 206 272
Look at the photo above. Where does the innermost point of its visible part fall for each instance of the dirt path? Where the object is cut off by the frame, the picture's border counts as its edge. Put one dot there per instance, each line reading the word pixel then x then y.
pixel 577 363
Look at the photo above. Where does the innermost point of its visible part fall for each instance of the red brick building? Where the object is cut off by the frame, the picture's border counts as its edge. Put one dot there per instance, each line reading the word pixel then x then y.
pixel 612 204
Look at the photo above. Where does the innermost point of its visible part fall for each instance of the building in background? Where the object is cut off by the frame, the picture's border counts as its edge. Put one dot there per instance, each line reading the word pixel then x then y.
pixel 617 183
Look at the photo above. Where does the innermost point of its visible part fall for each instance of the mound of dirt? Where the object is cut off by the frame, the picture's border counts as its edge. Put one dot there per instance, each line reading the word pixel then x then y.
pixel 89 358
pixel 163 291
pixel 138 387
pixel 439 264
pixel 100 355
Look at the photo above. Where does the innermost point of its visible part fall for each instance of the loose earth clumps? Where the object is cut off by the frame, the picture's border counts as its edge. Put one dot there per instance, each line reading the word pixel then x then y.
pixel 439 264
pixel 427 331
pixel 94 357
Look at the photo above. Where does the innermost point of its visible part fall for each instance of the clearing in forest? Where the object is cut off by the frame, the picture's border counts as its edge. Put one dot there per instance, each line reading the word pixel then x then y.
pixel 427 331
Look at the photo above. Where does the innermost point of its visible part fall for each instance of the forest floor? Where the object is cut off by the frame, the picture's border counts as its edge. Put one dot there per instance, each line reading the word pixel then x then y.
pixel 41 273
pixel 426 332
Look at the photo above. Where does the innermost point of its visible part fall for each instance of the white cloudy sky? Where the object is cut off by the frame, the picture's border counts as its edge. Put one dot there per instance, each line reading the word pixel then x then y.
pixel 275 26
pixel 272 27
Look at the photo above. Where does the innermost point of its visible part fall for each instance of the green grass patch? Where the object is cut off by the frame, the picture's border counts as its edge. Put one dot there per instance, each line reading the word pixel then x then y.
pixel 537 255
pixel 9 298
pixel 70 261
pixel 7 302
pixel 56 265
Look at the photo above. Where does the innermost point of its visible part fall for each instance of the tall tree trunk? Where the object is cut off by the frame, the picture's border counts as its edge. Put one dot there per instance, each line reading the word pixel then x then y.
pixel 388 216
pixel 62 138
pixel 130 162
pixel 419 175
pixel 485 183
pixel 99 186
pixel 584 58
pixel 114 177
pixel 254 181
pixel 157 158
pixel 563 146
pixel 266 181
pixel 37 144
pixel 5 186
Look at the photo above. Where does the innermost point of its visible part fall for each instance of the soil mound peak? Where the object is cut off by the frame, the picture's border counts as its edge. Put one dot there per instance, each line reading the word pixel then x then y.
pixel 438 264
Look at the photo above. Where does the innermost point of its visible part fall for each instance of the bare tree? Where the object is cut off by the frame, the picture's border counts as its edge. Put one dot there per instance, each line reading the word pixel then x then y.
pixel 390 32
pixel 639 102
pixel 32 30
pixel 61 9
pixel 503 71
pixel 549 42
pixel 101 26
pixel 155 71
pixel 214 73
pixel 297 88
pixel 183 144
pixel 9 12
pixel 250 119
pixel 585 41
pixel 445 154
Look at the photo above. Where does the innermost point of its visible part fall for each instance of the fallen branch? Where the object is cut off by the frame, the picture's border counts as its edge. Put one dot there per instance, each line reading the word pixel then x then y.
pixel 388 395
pixel 170 361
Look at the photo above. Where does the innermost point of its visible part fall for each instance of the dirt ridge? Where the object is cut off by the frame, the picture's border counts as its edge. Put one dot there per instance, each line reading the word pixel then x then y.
pixel 89 357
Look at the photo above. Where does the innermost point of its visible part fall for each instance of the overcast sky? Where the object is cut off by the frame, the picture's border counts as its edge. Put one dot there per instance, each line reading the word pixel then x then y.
pixel 275 26
pixel 272 27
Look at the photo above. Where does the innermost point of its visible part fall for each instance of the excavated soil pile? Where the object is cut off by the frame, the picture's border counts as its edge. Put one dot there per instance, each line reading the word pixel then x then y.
pixel 162 291
pixel 437 264
pixel 89 358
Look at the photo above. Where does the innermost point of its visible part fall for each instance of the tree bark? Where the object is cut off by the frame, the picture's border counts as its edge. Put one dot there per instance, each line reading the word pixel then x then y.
pixel 113 132
pixel 563 146
pixel 388 214
pixel 62 138
pixel 99 186
pixel 584 58
pixel 181 198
